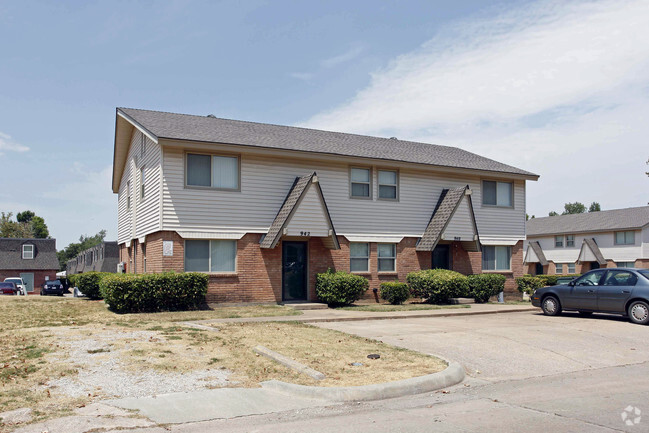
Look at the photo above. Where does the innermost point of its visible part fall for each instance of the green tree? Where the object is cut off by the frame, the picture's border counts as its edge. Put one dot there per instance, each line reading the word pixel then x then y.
pixel 72 250
pixel 573 208
pixel 14 229
pixel 25 216
pixel 39 228
pixel 594 207
pixel 553 213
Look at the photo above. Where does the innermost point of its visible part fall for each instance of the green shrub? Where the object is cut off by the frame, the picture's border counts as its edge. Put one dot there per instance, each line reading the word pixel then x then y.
pixel 340 288
pixel 72 280
pixel 128 293
pixel 395 292
pixel 548 280
pixel 484 286
pixel 438 285
pixel 529 284
pixel 88 283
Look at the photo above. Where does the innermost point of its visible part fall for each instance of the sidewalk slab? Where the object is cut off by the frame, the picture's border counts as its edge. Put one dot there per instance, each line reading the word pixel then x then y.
pixel 211 404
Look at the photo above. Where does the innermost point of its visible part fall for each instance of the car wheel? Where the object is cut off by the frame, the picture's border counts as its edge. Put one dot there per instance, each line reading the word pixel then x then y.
pixel 551 306
pixel 586 313
pixel 639 312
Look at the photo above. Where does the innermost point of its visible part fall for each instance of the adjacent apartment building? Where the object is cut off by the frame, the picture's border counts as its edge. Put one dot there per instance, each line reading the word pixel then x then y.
pixel 568 244
pixel 103 257
pixel 263 208
pixel 34 260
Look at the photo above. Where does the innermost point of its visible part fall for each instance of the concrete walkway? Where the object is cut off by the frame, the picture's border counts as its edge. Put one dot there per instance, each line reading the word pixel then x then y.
pixel 339 315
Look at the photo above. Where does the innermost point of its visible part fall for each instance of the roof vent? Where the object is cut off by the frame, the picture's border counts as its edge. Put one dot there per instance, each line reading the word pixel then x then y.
pixel 393 138
pixel 212 116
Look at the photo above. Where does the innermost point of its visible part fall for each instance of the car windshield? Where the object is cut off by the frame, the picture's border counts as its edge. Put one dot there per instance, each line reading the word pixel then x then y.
pixel 13 280
pixel 3 285
pixel 644 273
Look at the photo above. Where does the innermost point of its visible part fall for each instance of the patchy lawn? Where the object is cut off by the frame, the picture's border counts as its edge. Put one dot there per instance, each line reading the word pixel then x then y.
pixel 60 353
pixel 405 307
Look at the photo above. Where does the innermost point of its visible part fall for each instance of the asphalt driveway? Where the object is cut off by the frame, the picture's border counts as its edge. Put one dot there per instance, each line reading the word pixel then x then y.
pixel 514 345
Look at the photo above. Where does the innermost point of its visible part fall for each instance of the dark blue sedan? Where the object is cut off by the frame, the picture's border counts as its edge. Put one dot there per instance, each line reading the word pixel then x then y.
pixel 622 291
pixel 52 288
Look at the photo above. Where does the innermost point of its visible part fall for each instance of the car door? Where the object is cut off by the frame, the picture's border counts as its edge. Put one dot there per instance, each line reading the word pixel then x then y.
pixel 582 293
pixel 615 290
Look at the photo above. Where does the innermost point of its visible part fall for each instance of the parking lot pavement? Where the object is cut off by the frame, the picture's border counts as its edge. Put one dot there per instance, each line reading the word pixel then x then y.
pixel 515 345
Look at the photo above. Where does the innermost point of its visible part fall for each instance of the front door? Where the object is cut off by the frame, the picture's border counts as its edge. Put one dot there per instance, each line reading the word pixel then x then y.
pixel 539 269
pixel 28 278
pixel 441 257
pixel 294 271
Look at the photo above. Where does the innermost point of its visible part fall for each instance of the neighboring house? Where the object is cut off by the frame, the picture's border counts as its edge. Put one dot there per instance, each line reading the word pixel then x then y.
pixel 31 259
pixel 568 244
pixel 103 257
pixel 263 208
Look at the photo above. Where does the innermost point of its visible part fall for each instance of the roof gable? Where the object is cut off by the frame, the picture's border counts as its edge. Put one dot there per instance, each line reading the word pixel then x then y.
pixel 606 220
pixel 590 252
pixel 535 254
pixel 44 254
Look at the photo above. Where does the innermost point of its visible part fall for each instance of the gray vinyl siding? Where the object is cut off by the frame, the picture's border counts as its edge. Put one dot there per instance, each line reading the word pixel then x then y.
pixel 461 225
pixel 144 216
pixel 265 181
pixel 309 216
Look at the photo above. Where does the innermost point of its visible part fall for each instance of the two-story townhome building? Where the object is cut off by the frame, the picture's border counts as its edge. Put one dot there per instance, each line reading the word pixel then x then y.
pixel 568 244
pixel 263 208
pixel 103 257
pixel 33 260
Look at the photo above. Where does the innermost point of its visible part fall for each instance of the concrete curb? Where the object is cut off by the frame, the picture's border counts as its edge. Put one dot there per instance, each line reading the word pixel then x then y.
pixel 403 316
pixel 453 374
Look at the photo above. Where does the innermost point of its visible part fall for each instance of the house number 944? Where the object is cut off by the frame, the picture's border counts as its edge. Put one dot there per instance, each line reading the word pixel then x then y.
pixel 305 233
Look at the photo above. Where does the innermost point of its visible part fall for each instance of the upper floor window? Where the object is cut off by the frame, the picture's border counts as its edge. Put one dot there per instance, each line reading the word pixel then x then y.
pixel 213 171
pixel 558 241
pixel 210 256
pixel 142 183
pixel 28 251
pixel 142 145
pixel 361 182
pixel 128 195
pixel 387 257
pixel 625 238
pixel 497 193
pixel 570 240
pixel 388 184
pixel 359 256
pixel 496 258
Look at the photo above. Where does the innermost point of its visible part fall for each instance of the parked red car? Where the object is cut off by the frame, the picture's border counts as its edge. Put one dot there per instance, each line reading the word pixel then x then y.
pixel 8 289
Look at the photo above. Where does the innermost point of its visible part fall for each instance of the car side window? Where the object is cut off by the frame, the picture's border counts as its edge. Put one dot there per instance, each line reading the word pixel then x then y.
pixel 620 278
pixel 590 279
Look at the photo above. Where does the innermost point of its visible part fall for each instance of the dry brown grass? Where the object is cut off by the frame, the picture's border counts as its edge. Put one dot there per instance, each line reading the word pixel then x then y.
pixel 34 329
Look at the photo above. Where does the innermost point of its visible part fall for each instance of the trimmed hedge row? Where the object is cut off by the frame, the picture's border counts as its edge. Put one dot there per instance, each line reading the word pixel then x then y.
pixel 340 288
pixel 395 293
pixel 128 293
pixel 437 286
pixel 528 284
pixel 484 286
pixel 551 280
pixel 88 283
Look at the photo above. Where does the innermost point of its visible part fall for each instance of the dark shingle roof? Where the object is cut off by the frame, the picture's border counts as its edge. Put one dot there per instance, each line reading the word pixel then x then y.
pixel 44 259
pixel 449 201
pixel 536 246
pixel 217 130
pixel 590 242
pixel 606 220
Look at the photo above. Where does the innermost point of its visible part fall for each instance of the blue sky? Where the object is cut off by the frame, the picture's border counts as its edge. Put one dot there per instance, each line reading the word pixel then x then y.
pixel 557 88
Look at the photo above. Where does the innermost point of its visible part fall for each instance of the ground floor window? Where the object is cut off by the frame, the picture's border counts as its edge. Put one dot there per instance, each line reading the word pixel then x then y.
pixel 359 256
pixel 571 268
pixel 496 258
pixel 559 268
pixel 210 256
pixel 387 257
pixel 626 264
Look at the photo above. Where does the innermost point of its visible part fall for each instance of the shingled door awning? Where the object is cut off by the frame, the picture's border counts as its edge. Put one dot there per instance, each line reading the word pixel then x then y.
pixel 452 220
pixel 590 252
pixel 304 213
pixel 535 254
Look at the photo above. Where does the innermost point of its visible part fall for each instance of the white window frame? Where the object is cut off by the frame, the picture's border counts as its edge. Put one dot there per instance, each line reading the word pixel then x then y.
pixel 369 183
pixel 511 194
pixel 393 258
pixel 128 195
pixel 212 155
pixel 571 268
pixel 559 241
pixel 366 258
pixel 142 183
pixel 395 185
pixel 558 268
pixel 496 260
pixel 570 241
pixel 209 259
pixel 31 252
pixel 625 264
pixel 142 145
pixel 626 232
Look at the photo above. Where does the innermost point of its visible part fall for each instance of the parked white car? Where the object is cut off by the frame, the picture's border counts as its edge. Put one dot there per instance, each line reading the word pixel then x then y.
pixel 20 284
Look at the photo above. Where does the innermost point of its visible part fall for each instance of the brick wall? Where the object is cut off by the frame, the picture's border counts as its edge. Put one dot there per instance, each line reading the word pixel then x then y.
pixel 39 277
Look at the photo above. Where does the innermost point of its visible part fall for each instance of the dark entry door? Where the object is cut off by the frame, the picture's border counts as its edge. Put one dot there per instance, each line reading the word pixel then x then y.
pixel 539 269
pixel 294 271
pixel 594 265
pixel 441 257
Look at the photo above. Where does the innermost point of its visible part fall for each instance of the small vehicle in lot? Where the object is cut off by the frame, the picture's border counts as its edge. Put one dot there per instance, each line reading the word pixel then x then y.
pixel 20 284
pixel 54 287
pixel 8 288
pixel 622 291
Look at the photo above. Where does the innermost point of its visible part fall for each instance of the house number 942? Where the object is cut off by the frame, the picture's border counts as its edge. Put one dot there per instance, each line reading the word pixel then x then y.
pixel 305 233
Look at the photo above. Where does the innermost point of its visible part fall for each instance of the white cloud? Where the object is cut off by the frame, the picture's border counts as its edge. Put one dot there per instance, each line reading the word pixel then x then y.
pixel 7 144
pixel 304 76
pixel 347 56
pixel 557 88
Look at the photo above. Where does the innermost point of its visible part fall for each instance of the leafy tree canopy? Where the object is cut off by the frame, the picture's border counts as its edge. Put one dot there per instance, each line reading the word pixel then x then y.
pixel 594 207
pixel 577 207
pixel 27 225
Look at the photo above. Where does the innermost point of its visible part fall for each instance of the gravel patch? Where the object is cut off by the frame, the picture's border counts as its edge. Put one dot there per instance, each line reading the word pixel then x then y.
pixel 102 373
